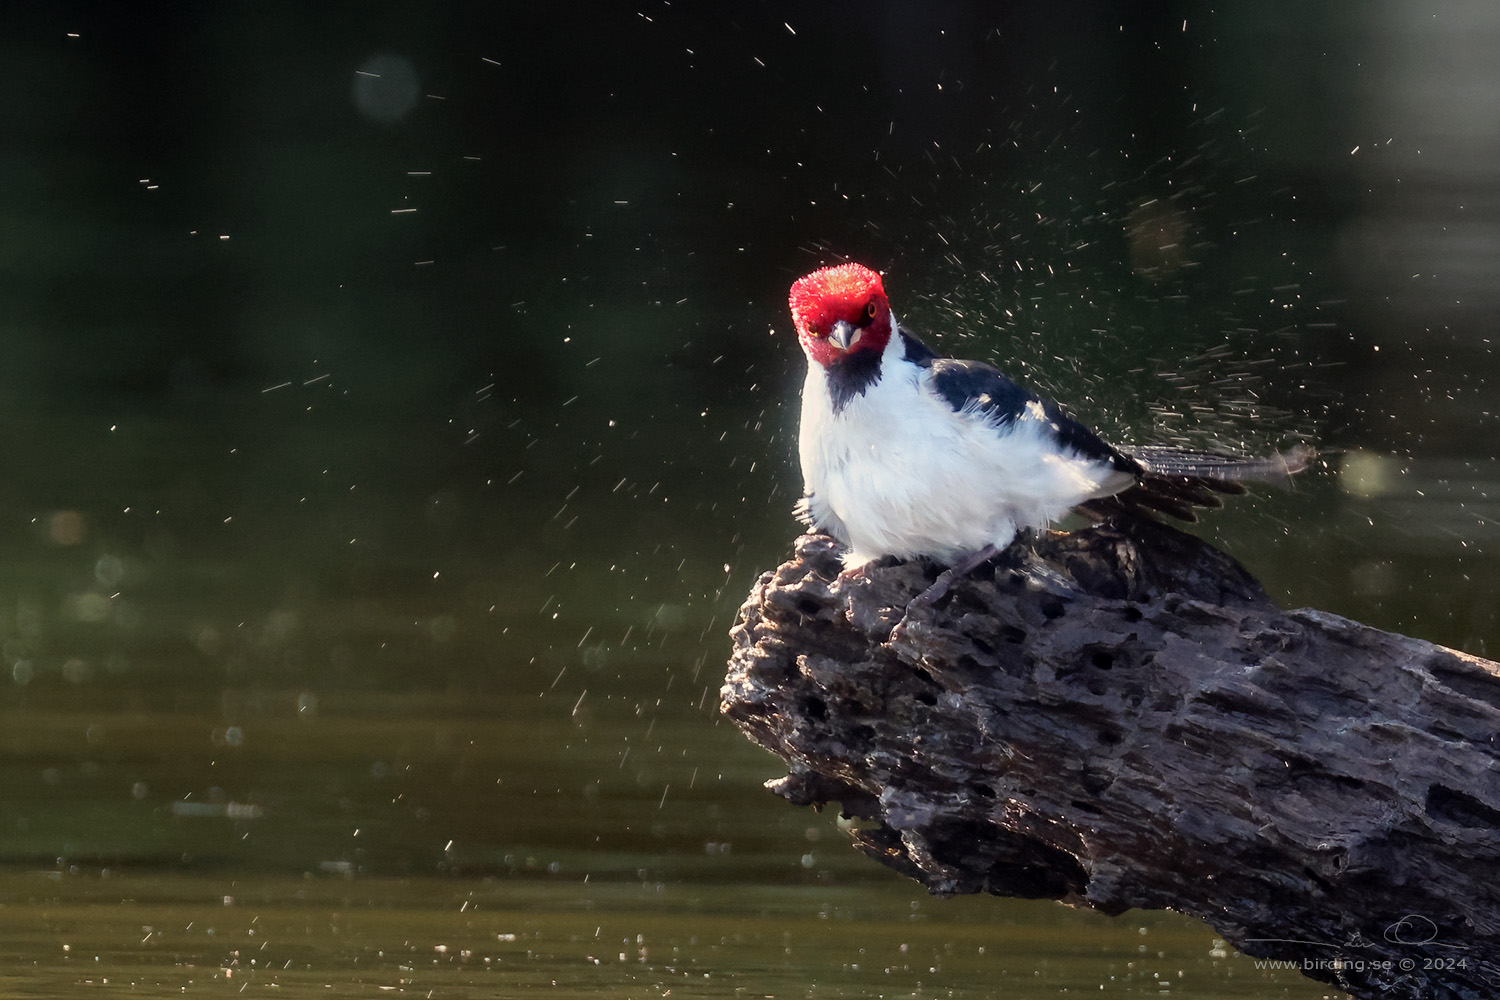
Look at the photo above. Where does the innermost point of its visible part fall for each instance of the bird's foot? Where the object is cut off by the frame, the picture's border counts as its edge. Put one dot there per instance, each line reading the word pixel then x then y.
pixel 934 592
pixel 939 587
pixel 857 573
pixel 862 571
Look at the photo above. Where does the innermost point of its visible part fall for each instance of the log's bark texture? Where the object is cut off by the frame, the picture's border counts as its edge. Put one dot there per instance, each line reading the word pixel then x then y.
pixel 1119 717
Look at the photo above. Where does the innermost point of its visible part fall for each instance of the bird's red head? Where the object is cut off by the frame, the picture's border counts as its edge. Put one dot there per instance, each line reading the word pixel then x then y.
pixel 840 310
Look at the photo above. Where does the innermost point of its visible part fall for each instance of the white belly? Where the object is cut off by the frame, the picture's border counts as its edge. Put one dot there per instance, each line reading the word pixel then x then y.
pixel 898 472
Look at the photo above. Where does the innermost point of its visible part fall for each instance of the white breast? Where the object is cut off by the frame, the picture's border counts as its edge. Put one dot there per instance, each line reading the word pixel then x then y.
pixel 898 472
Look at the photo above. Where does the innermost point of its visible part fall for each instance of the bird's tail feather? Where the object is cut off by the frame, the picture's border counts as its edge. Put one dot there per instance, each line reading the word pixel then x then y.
pixel 1175 463
pixel 1174 481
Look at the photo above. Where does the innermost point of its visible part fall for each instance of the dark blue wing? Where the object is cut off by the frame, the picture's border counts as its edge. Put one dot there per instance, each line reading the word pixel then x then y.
pixel 1170 481
pixel 976 386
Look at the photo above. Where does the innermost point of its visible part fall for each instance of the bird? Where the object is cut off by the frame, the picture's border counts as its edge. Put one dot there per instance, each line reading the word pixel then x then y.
pixel 909 454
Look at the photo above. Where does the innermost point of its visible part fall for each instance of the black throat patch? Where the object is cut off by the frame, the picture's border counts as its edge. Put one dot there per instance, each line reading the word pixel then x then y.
pixel 858 371
pixel 851 375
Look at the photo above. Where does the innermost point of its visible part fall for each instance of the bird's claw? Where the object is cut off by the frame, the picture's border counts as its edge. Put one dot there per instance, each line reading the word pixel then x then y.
pixel 924 601
pixel 938 589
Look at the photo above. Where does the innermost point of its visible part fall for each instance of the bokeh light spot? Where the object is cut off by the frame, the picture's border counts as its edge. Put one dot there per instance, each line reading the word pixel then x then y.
pixel 66 527
pixel 385 88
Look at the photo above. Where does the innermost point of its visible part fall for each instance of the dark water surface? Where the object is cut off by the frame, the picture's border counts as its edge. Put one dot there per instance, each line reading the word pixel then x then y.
pixel 395 409
pixel 507 937
pixel 452 848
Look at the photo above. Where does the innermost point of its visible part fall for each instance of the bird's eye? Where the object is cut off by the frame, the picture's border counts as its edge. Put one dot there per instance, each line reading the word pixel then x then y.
pixel 870 309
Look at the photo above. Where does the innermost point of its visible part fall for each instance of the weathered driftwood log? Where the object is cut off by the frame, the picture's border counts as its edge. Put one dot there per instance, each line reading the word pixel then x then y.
pixel 1119 717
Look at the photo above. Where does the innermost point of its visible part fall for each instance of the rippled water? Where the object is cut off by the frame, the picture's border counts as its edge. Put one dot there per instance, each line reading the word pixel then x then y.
pixel 326 935
pixel 453 850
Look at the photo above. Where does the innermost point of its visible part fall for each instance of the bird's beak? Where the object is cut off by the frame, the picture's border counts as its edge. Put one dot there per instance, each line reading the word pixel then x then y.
pixel 843 335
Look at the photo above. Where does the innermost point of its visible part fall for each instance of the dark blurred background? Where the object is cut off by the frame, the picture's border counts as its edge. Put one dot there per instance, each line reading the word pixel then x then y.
pixel 420 364
pixel 352 297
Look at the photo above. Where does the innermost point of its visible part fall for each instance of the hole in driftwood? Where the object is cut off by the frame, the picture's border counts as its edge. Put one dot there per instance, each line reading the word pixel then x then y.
pixel 1453 806
pixel 1318 880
